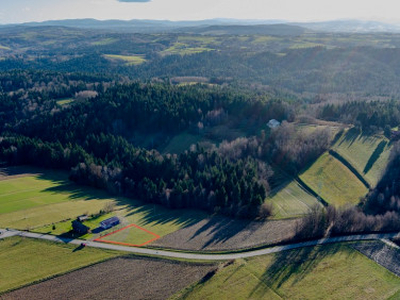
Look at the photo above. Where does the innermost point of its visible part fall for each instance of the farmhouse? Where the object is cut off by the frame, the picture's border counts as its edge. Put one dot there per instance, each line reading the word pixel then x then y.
pixel 109 223
pixel 78 227
pixel 273 123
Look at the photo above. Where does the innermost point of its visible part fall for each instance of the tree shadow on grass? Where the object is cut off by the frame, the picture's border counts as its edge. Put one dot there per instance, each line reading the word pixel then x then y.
pixel 150 213
pixel 295 265
pixel 351 136
pixel 80 247
pixel 217 229
pixel 375 156
pixel 158 215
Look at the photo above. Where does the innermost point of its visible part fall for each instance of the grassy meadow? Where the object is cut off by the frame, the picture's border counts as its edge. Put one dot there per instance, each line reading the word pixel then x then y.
pixel 333 181
pixel 291 200
pixel 39 202
pixel 130 60
pixel 184 49
pixel 64 101
pixel 324 272
pixel 368 154
pixel 23 260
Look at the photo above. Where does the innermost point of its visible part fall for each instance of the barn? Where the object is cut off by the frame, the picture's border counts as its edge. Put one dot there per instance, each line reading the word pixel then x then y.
pixel 108 223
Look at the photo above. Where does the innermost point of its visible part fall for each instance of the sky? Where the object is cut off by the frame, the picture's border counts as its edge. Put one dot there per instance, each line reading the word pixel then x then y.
pixel 19 11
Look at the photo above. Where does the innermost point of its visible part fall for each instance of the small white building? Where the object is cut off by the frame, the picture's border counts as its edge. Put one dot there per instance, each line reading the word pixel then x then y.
pixel 273 123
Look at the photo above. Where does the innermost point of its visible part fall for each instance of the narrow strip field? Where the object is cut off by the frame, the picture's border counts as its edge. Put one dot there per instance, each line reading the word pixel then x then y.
pixel 333 181
pixel 291 200
pixel 369 154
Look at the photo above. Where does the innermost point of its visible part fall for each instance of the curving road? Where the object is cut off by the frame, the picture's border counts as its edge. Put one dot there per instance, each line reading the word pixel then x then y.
pixel 197 256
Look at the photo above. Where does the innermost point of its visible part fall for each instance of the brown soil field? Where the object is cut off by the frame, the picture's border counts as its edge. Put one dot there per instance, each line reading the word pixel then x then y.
pixel 221 233
pixel 120 278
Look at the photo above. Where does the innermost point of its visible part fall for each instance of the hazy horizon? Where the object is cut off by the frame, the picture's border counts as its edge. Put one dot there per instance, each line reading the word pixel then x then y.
pixel 22 11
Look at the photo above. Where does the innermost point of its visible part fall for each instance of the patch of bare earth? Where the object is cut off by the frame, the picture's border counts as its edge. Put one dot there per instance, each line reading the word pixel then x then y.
pixel 221 233
pixel 382 254
pixel 121 278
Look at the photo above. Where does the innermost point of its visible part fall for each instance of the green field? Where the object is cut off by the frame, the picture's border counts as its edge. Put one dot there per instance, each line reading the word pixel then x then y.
pixel 33 201
pixel 333 181
pixel 184 49
pixel 103 42
pixel 41 201
pixel 291 200
pixel 325 272
pixel 131 235
pixel 23 261
pixel 305 44
pixel 368 154
pixel 65 101
pixel 130 60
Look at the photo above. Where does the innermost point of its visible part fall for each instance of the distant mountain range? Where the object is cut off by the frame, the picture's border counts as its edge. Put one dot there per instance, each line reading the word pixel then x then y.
pixel 222 26
pixel 350 26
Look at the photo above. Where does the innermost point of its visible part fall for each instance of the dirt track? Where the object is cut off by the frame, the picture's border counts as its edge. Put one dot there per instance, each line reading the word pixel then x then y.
pixel 121 278
pixel 220 233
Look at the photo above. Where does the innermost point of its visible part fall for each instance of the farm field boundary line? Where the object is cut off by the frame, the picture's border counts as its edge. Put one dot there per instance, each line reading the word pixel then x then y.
pixel 349 166
pixel 209 257
pixel 311 191
pixel 101 239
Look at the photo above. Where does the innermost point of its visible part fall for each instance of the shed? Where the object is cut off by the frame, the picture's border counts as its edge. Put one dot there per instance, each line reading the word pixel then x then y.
pixel 82 218
pixel 108 223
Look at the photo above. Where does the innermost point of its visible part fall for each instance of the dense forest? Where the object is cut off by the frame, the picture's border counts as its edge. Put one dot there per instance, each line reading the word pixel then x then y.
pixel 91 137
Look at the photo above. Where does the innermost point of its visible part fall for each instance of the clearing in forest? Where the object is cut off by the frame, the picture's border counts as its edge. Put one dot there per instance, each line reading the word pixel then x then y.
pixel 130 60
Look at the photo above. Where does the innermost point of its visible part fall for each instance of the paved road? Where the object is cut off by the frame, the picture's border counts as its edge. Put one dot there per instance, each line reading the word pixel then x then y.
pixel 195 256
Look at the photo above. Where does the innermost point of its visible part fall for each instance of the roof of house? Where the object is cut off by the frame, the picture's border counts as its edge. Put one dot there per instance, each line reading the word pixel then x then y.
pixel 273 123
pixel 78 225
pixel 109 221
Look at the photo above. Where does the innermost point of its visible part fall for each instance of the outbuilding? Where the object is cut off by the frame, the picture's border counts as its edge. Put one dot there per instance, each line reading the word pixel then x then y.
pixel 108 223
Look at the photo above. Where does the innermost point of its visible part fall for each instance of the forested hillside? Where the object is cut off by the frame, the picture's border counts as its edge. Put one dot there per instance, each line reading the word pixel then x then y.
pixel 109 106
